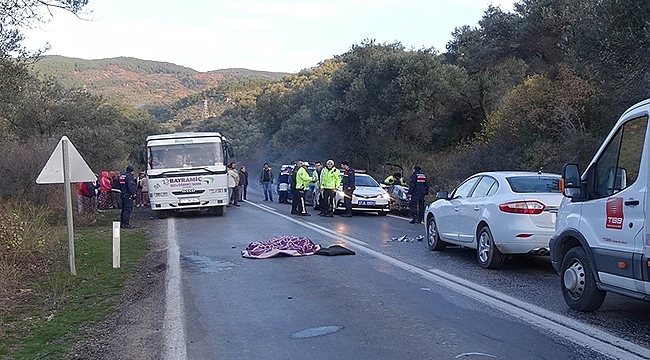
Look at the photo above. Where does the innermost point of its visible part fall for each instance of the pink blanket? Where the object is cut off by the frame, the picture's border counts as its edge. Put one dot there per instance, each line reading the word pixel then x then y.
pixel 286 245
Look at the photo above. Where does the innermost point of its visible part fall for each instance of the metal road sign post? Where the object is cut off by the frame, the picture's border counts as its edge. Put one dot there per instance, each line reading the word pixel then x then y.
pixel 66 166
pixel 68 206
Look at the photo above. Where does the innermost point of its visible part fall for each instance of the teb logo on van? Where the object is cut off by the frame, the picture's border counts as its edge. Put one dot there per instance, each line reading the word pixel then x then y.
pixel 615 213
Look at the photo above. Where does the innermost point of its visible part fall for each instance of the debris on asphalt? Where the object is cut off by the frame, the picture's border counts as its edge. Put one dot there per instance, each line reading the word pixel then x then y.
pixel 406 238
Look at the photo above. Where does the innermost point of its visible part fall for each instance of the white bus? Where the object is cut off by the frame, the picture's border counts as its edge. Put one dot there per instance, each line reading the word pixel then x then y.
pixel 187 171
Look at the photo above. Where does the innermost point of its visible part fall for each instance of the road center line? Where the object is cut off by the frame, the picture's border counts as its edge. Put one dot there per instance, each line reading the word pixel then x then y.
pixel 174 330
pixel 575 331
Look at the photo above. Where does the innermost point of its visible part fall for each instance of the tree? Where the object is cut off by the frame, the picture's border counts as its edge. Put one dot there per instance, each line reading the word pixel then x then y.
pixel 17 15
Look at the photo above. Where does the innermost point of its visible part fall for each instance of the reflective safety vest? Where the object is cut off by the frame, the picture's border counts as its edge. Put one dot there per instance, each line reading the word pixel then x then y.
pixel 330 178
pixel 303 179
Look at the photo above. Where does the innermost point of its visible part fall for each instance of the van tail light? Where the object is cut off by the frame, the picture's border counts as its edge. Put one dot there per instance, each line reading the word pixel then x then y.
pixel 523 207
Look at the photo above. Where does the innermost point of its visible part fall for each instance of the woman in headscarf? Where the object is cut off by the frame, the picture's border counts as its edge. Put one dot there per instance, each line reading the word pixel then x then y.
pixel 104 191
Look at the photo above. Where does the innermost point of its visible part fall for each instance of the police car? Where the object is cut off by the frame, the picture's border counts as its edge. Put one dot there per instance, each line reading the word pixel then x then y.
pixel 368 196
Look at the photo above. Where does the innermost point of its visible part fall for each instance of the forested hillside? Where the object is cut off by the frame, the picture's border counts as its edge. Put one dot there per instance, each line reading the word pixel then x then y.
pixel 523 90
pixel 141 83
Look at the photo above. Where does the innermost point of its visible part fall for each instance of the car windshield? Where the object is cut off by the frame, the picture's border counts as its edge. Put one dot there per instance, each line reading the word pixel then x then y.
pixel 365 181
pixel 534 184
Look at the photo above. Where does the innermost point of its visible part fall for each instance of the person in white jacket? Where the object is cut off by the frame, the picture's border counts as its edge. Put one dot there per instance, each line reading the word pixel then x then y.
pixel 233 184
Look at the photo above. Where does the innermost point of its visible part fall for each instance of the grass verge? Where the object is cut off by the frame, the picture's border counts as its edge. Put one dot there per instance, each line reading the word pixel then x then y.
pixel 60 306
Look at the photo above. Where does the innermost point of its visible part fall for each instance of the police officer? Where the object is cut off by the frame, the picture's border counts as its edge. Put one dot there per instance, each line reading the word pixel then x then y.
pixel 127 192
pixel 302 184
pixel 330 180
pixel 418 188
pixel 295 197
pixel 348 187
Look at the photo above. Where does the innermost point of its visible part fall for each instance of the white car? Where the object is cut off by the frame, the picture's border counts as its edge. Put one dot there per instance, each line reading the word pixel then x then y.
pixel 368 196
pixel 498 214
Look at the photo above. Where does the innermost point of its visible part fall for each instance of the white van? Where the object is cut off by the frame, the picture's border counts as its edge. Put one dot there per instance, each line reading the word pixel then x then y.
pixel 602 235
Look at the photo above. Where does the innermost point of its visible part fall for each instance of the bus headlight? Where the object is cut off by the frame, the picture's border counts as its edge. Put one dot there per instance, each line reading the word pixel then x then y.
pixel 159 194
pixel 216 191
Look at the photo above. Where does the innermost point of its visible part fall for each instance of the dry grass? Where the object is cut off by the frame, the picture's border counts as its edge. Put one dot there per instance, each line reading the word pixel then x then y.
pixel 30 248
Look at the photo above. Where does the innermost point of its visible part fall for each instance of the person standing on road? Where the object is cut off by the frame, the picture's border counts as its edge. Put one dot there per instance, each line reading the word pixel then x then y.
pixel 318 193
pixel 348 187
pixel 266 180
pixel 302 184
pixel 233 184
pixel 418 189
pixel 295 201
pixel 284 185
pixel 243 183
pixel 330 179
pixel 127 193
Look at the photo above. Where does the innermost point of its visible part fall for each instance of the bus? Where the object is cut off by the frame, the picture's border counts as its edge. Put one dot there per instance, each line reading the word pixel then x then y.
pixel 186 171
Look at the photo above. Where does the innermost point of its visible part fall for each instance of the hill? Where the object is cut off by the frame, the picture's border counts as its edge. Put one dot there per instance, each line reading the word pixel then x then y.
pixel 142 83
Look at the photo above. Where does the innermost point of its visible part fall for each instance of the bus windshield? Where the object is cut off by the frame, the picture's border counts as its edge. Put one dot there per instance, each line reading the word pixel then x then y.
pixel 185 155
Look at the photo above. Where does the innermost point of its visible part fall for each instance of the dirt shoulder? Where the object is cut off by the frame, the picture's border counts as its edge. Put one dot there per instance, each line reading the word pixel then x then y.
pixel 135 330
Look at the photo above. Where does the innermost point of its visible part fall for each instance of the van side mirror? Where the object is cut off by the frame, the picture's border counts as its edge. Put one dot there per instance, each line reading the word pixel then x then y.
pixel 571 183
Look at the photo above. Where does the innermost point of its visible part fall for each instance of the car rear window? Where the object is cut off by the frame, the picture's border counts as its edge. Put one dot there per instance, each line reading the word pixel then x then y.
pixel 534 184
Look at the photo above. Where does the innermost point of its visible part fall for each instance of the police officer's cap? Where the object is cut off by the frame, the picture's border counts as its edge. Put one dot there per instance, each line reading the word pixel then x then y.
pixel 130 168
pixel 305 163
pixel 417 167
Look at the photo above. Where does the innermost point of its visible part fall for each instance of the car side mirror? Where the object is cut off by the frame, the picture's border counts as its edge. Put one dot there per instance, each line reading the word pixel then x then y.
pixel 442 195
pixel 571 183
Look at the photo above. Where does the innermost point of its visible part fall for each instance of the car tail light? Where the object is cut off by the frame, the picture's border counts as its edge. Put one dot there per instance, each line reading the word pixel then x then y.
pixel 523 207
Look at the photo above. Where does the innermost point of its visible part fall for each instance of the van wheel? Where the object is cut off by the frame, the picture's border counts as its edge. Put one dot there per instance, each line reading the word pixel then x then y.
pixel 433 237
pixel 489 257
pixel 162 214
pixel 579 283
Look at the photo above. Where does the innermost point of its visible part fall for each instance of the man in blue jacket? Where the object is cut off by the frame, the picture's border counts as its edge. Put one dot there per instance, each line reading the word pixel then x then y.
pixel 418 189
pixel 127 192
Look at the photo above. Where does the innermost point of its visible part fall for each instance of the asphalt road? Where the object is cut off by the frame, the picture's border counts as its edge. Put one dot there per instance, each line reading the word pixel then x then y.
pixel 392 300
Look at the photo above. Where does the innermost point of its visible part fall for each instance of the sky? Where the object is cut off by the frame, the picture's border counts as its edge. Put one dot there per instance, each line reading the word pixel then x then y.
pixel 266 35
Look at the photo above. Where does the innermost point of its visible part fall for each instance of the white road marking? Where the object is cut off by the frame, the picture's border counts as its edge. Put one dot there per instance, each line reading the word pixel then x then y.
pixel 174 329
pixel 398 217
pixel 575 331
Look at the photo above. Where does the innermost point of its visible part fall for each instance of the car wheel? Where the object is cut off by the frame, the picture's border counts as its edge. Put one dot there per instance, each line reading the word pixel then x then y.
pixel 579 283
pixel 162 214
pixel 489 257
pixel 382 213
pixel 433 238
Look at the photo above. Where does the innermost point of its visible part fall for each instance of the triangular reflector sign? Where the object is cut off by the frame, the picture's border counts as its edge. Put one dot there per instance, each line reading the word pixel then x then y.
pixel 52 173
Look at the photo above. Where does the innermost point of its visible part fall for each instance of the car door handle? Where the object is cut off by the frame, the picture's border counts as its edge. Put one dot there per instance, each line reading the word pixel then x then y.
pixel 476 208
pixel 631 202
pixel 457 209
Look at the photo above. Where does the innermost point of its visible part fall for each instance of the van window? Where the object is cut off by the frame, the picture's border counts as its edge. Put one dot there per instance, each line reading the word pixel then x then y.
pixel 618 165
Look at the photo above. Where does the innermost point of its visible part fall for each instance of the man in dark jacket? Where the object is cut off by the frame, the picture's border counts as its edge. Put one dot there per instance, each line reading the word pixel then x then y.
pixel 295 200
pixel 127 192
pixel 266 180
pixel 243 183
pixel 418 189
pixel 348 187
